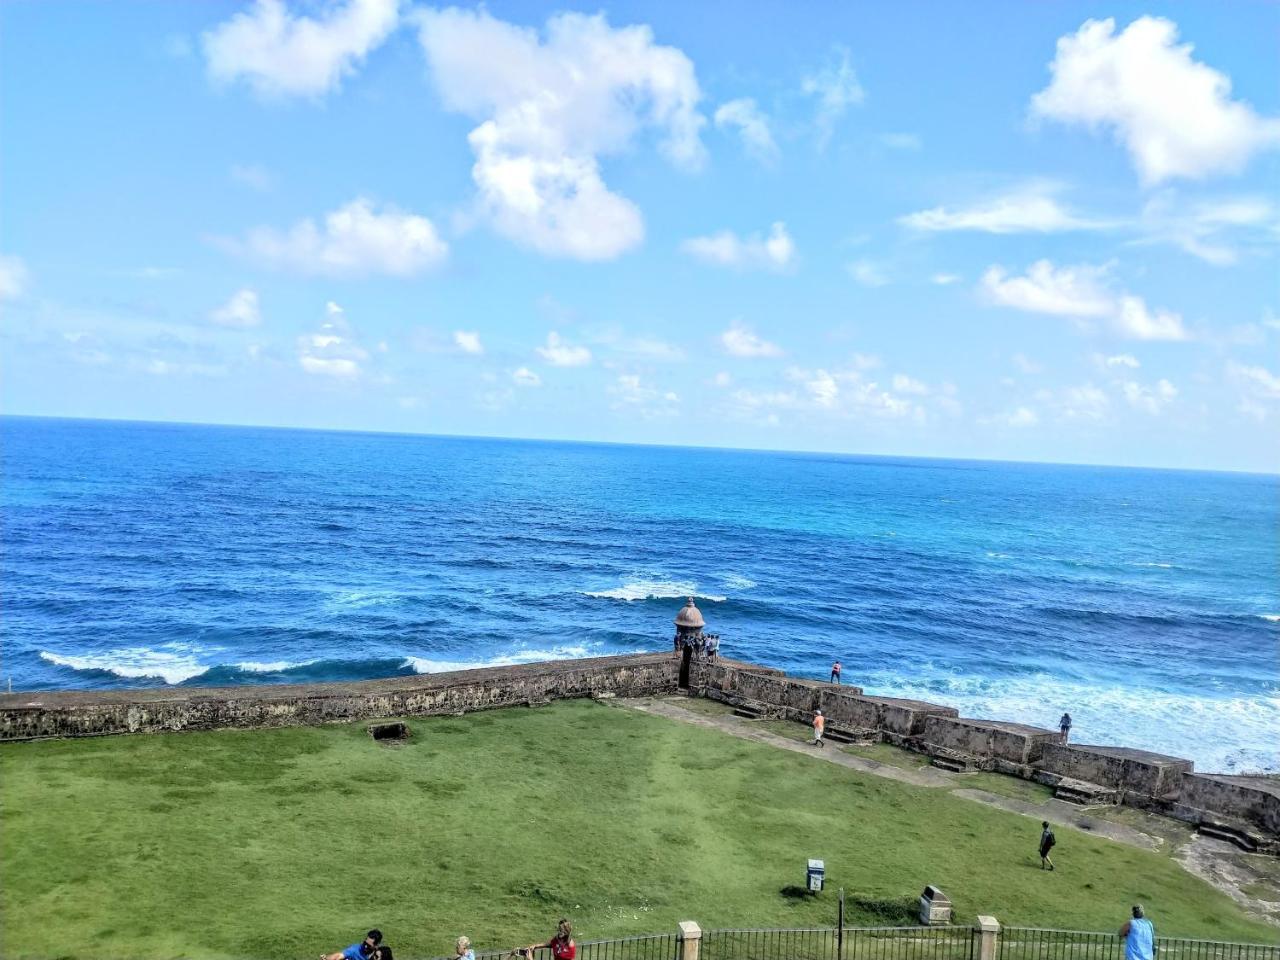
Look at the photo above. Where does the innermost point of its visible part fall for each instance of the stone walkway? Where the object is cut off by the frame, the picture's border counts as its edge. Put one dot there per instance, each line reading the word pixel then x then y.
pixel 1219 864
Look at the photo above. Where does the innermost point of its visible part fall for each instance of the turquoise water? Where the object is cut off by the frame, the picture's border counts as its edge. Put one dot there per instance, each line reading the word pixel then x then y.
pixel 1143 601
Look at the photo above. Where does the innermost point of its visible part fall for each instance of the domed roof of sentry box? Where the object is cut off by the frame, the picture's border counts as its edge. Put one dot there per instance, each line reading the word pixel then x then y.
pixel 689 616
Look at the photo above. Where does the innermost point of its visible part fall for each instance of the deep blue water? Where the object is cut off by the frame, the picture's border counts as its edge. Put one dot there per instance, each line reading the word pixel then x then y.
pixel 1143 601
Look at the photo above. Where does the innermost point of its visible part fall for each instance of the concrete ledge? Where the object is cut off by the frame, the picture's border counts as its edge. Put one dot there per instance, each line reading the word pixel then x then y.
pixel 1120 768
pixel 1012 743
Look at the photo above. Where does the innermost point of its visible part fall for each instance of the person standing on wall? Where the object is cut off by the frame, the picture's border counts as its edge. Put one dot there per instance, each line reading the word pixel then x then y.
pixel 835 672
pixel 1064 725
pixel 1139 935
pixel 819 724
pixel 1047 843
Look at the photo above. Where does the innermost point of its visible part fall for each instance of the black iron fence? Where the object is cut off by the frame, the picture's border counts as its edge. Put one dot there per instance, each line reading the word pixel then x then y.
pixel 1029 943
pixel 658 946
pixel 833 943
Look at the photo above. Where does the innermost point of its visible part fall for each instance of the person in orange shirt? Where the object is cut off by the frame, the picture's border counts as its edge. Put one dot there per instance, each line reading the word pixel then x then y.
pixel 819 724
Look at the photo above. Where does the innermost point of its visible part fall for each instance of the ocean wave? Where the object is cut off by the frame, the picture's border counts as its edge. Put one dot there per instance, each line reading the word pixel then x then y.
pixel 174 665
pixel 360 599
pixel 654 590
pixel 735 581
pixel 1161 566
pixel 1273 617
pixel 1222 734
pixel 429 665
pixel 274 666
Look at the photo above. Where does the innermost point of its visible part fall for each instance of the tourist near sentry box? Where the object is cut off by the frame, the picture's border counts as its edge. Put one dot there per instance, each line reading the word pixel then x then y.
pixel 444 452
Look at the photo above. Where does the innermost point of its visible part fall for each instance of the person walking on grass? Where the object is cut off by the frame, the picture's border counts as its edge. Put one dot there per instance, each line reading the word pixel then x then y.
pixel 1139 936
pixel 819 725
pixel 364 950
pixel 1064 726
pixel 835 672
pixel 1047 843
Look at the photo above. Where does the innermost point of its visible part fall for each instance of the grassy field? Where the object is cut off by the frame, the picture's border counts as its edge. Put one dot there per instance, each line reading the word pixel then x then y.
pixel 286 842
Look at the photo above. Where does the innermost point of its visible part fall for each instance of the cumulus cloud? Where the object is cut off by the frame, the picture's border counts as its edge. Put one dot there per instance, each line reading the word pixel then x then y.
pixel 738 341
pixel 558 353
pixel 1174 114
pixel 550 109
pixel 279 54
pixel 331 350
pixel 630 392
pixel 524 377
pixel 240 311
pixel 752 126
pixel 850 392
pixel 1030 208
pixel 1150 400
pixel 13 277
pixel 836 89
pixel 1080 291
pixel 468 341
pixel 776 252
pixel 355 240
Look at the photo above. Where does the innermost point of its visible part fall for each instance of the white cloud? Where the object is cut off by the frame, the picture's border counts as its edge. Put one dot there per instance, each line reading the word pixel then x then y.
pixel 1212 230
pixel 1136 321
pixel 1120 360
pixel 549 110
pixel 777 251
pixel 1262 381
pixel 354 241
pixel 1080 291
pixel 1149 399
pixel 561 354
pixel 630 392
pixel 1018 417
pixel 253 176
pixel 850 393
pixel 13 277
pixel 836 88
pixel 524 377
pixel 752 126
pixel 279 54
pixel 738 341
pixel 1174 115
pixel 1031 208
pixel 1085 402
pixel 240 311
pixel 643 348
pixel 722 379
pixel 331 350
pixel 468 341
pixel 945 279
pixel 868 273
pixel 904 384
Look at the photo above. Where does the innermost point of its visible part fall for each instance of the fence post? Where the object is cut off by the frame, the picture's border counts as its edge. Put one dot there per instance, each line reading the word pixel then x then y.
pixel 840 928
pixel 690 940
pixel 989 938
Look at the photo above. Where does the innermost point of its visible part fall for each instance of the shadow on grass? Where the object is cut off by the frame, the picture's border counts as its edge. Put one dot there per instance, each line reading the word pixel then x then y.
pixel 793 892
pixel 881 913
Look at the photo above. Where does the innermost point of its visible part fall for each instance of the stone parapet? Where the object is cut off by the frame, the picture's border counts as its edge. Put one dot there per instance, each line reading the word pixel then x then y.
pixel 1147 774
pixel 1016 744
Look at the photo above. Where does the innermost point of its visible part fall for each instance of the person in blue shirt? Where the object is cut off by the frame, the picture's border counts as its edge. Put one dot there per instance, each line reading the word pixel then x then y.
pixel 1139 936
pixel 364 950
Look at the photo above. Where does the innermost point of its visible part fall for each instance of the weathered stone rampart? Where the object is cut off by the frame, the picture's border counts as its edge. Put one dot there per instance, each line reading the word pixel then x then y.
pixel 94 713
pixel 1244 809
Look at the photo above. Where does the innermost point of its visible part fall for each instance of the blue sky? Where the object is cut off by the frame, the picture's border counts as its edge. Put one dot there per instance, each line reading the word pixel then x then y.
pixel 1014 231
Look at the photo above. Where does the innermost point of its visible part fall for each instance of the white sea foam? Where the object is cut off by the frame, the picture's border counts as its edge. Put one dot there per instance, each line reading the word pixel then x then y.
pixel 428 665
pixel 1273 617
pixel 1220 733
pixel 1162 566
pixel 173 665
pixel 643 589
pixel 274 666
pixel 359 599
pixel 735 581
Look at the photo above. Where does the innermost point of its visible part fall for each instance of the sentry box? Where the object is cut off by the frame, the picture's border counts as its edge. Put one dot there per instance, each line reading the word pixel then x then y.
pixel 935 907
pixel 817 873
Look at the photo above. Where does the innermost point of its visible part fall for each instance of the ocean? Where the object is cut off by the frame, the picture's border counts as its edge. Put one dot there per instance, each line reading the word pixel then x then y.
pixel 1145 602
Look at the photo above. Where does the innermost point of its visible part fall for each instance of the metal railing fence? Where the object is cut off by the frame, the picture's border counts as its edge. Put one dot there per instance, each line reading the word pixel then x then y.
pixel 1032 943
pixel 657 946
pixel 832 943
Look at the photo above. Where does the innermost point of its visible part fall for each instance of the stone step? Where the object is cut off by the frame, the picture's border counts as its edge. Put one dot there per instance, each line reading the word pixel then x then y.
pixel 1083 793
pixel 1224 831
pixel 954 764
pixel 747 713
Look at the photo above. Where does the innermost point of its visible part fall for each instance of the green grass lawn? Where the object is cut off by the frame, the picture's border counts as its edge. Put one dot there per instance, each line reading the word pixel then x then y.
pixel 286 842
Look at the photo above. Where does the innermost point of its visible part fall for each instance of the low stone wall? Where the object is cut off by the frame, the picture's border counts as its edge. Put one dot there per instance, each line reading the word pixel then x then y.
pixel 25 716
pixel 1146 774
pixel 1013 743
pixel 1208 796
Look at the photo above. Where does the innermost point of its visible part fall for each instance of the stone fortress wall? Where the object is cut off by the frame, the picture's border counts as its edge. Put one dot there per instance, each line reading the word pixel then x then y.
pixel 1245 810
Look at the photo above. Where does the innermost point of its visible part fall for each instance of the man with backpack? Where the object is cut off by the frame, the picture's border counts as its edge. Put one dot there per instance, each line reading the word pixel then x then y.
pixel 1047 843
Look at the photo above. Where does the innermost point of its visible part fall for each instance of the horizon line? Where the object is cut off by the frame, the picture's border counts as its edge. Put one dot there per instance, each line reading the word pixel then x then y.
pixel 624 443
